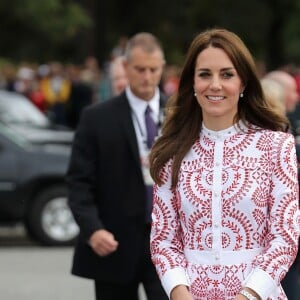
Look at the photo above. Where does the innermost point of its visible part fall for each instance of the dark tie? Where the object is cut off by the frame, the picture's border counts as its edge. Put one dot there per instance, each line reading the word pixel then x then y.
pixel 152 131
pixel 151 127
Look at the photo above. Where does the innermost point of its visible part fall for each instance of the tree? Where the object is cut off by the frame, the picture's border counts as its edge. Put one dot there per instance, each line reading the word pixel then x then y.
pixel 282 11
pixel 73 29
pixel 40 30
pixel 270 28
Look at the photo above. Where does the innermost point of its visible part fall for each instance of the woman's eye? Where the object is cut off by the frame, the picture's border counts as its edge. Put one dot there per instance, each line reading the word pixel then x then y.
pixel 228 75
pixel 203 74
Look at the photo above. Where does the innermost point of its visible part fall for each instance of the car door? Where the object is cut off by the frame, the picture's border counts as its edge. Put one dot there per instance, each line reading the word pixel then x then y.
pixel 10 206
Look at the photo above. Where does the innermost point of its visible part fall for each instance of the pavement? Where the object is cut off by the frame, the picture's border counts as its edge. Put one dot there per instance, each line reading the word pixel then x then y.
pixel 29 271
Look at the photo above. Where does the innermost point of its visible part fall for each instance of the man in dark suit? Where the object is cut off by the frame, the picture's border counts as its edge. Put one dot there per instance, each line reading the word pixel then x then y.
pixel 109 183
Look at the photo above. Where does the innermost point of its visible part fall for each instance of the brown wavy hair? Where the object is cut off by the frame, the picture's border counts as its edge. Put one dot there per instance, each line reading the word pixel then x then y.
pixel 184 115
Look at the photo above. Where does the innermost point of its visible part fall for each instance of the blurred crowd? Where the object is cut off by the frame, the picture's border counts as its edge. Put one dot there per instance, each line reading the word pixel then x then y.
pixel 63 90
pixel 282 87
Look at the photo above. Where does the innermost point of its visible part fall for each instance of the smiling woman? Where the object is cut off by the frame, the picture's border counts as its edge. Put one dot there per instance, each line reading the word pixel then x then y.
pixel 217 88
pixel 225 213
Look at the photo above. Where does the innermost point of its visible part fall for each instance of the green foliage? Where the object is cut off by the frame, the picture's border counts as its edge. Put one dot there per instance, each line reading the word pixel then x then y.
pixel 72 29
pixel 291 36
pixel 35 29
pixel 268 27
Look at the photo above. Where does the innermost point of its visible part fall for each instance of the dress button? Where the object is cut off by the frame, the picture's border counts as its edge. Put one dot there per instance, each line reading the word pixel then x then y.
pixel 217 164
pixel 216 194
pixel 216 225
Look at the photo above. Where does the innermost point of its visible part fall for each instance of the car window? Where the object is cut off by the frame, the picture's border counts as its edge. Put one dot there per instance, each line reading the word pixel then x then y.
pixel 16 109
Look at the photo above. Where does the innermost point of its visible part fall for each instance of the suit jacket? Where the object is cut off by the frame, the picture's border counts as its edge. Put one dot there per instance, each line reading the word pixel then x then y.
pixel 106 190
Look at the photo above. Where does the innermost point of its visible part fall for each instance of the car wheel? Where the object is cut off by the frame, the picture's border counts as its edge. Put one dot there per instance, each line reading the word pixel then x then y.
pixel 49 219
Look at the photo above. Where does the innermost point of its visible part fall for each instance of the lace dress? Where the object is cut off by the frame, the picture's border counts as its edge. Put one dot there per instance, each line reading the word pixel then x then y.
pixel 233 219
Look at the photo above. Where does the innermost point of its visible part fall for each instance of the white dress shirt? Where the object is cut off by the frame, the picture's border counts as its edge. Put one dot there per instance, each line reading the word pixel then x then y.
pixel 138 108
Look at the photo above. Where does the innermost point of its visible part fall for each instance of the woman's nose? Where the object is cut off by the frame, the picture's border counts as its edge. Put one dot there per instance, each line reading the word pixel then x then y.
pixel 215 83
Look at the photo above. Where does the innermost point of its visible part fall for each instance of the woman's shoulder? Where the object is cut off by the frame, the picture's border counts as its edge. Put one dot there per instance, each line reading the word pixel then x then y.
pixel 269 133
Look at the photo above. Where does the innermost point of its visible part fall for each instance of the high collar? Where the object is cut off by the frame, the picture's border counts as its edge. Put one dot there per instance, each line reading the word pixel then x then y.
pixel 224 133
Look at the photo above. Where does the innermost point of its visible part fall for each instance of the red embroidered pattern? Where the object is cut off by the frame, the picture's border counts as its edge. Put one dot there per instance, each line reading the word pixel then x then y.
pixel 236 193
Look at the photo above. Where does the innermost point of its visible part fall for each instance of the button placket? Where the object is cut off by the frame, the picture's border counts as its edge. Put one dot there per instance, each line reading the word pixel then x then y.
pixel 216 198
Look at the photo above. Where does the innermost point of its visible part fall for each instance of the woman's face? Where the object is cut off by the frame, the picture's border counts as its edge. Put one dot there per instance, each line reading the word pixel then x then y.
pixel 217 86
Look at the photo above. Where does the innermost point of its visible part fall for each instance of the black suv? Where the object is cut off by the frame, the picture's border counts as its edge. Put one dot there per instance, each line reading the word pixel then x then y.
pixel 32 187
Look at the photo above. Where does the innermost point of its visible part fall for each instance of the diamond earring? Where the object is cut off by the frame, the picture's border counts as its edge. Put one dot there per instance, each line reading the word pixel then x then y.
pixel 241 95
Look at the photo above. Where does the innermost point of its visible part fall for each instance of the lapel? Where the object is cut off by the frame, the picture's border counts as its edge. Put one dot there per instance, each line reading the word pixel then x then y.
pixel 125 117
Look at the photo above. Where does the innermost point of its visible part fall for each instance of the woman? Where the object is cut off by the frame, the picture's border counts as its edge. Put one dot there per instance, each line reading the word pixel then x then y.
pixel 225 216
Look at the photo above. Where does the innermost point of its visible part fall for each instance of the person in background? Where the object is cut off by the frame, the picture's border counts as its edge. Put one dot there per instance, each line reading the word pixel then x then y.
pixel 290 94
pixel 280 88
pixel 81 95
pixel 24 80
pixel 104 88
pixel 27 84
pixel 90 75
pixel 274 92
pixel 110 190
pixel 225 214
pixel 170 80
pixel 56 88
pixel 117 76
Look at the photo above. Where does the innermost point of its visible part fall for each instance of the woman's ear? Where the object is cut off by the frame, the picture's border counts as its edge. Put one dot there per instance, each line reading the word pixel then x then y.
pixel 242 90
pixel 243 87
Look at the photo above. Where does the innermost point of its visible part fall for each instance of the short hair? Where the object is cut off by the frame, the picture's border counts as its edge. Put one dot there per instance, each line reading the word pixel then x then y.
pixel 274 93
pixel 147 41
pixel 116 63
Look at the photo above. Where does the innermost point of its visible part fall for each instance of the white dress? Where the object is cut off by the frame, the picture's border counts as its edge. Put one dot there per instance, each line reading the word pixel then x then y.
pixel 233 219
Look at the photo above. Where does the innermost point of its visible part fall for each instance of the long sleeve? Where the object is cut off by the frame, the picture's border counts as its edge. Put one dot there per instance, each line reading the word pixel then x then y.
pixel 282 240
pixel 166 236
pixel 81 178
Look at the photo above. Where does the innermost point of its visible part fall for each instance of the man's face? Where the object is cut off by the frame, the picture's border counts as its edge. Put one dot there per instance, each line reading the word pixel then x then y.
pixel 144 71
pixel 119 79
